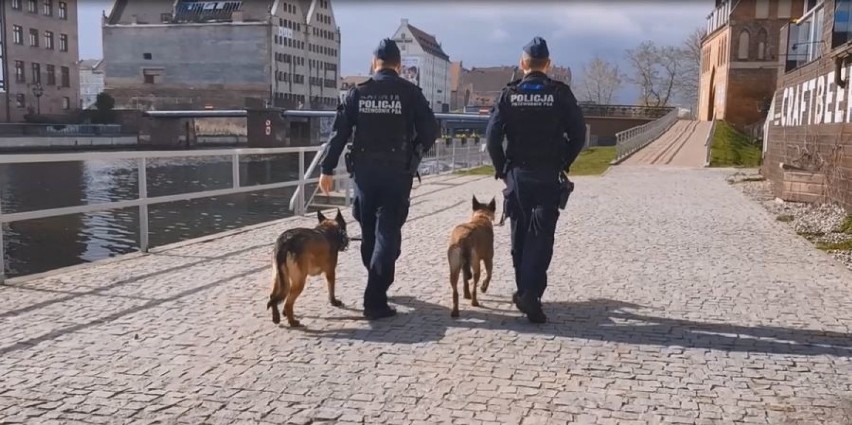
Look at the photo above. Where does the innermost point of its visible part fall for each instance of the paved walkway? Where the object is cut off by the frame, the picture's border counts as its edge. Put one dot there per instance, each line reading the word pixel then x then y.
pixel 684 145
pixel 673 299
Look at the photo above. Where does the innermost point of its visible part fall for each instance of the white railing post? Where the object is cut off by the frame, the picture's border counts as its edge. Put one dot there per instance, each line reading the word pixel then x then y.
pixel 301 207
pixel 142 173
pixel 235 170
pixel 2 251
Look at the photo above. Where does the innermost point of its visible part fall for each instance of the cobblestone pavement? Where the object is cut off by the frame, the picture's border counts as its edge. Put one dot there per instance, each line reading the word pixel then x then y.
pixel 672 299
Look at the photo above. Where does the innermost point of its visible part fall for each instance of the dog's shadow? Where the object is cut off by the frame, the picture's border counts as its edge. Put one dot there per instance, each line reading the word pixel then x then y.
pixel 420 322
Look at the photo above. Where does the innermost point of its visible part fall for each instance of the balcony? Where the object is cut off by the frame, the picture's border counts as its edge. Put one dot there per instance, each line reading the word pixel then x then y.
pixel 719 17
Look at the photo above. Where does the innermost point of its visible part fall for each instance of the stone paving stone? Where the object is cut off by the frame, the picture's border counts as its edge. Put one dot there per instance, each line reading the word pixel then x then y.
pixel 672 299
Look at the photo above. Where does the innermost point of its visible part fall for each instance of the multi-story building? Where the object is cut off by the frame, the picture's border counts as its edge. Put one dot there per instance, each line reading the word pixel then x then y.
pixel 194 54
pixel 739 59
pixel 481 86
pixel 808 135
pixel 91 81
pixel 425 63
pixel 38 58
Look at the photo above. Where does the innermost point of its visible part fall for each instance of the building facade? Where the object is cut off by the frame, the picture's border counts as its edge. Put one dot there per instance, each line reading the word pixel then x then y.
pixel 739 59
pixel 196 54
pixel 425 63
pixel 91 81
pixel 808 141
pixel 38 58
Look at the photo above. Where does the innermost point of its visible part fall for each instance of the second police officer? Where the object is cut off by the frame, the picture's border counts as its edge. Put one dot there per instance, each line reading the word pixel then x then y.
pixel 545 131
pixel 394 126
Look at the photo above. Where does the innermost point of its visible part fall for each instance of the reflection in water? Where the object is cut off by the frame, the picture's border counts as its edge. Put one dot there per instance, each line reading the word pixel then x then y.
pixel 35 246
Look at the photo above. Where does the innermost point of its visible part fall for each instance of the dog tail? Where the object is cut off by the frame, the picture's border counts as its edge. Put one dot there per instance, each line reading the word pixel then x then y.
pixel 281 280
pixel 459 257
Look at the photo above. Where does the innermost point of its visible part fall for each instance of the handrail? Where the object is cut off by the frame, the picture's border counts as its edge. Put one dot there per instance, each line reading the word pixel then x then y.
pixel 708 144
pixel 299 191
pixel 631 140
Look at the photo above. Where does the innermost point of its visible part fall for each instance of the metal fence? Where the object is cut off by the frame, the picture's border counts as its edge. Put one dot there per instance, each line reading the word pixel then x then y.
pixel 47 130
pixel 631 140
pixel 708 144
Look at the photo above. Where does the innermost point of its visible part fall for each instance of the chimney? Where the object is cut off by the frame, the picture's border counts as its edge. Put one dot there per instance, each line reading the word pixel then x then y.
pixel 134 19
pixel 405 21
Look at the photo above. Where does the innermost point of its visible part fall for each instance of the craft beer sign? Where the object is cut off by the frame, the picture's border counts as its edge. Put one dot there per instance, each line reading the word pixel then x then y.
pixel 816 101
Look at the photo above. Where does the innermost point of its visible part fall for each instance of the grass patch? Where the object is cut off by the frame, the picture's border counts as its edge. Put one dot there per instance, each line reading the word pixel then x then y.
pixel 731 148
pixel 846 227
pixel 785 218
pixel 591 162
pixel 837 246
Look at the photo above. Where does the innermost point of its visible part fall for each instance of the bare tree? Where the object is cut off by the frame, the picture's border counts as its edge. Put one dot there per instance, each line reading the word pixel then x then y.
pixel 691 58
pixel 600 81
pixel 656 72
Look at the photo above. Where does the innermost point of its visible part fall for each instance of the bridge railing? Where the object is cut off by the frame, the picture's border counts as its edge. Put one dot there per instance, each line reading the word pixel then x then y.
pixel 631 140
pixel 45 130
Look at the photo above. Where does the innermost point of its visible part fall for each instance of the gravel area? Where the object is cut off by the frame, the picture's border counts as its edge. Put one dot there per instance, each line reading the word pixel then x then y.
pixel 820 224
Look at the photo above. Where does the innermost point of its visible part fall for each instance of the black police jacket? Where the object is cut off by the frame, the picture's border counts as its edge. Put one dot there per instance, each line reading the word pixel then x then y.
pixel 542 123
pixel 391 117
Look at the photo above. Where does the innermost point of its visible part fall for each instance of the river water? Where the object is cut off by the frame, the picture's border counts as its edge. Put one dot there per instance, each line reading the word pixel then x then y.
pixel 35 246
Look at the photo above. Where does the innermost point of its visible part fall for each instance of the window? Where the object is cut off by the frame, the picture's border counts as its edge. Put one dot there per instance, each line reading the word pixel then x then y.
pixel 32 7
pixel 147 56
pixel 51 75
pixel 20 76
pixel 18 34
pixel 761 9
pixel 16 4
pixel 842 31
pixel 66 103
pixel 48 40
pixel 66 76
pixel 63 42
pixel 165 17
pixel 151 76
pixel 36 73
pixel 63 10
pixel 33 37
pixel 743 47
pixel 804 40
pixel 761 44
pixel 47 8
pixel 21 101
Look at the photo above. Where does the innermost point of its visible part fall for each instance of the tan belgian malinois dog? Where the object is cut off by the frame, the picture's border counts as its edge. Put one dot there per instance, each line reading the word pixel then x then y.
pixel 303 252
pixel 470 244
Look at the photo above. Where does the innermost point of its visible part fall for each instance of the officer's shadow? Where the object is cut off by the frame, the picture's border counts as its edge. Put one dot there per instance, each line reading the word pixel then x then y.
pixel 596 319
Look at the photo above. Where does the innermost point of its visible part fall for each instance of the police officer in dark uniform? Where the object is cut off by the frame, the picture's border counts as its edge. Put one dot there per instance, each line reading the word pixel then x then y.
pixel 545 131
pixel 394 127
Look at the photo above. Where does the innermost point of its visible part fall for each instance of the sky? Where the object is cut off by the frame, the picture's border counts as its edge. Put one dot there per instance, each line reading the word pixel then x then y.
pixel 490 33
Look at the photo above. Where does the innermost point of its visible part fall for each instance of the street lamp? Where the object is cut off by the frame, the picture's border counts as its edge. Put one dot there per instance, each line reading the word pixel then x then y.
pixel 38 91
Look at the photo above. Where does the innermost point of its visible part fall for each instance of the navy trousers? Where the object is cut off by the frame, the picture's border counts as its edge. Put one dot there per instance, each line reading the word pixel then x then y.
pixel 532 205
pixel 381 207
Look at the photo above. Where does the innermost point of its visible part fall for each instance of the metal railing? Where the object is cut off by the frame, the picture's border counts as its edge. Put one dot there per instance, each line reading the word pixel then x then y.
pixel 142 201
pixel 708 144
pixel 631 140
pixel 46 130
pixel 624 111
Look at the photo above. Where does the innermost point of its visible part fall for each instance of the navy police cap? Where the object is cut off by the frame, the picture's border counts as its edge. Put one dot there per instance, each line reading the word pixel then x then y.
pixel 537 49
pixel 387 50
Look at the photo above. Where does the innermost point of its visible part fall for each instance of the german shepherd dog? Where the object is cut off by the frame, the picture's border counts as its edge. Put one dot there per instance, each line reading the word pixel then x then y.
pixel 303 252
pixel 471 243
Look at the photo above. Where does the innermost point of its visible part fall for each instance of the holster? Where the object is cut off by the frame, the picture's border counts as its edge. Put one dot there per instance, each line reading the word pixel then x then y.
pixel 414 161
pixel 566 187
pixel 350 162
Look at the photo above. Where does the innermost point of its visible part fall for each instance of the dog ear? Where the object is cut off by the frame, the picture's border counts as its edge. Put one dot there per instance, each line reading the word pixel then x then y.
pixel 321 217
pixel 493 205
pixel 339 218
pixel 476 204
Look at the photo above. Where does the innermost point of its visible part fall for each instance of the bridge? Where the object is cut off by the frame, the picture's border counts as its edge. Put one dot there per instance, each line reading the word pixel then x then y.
pixel 673 299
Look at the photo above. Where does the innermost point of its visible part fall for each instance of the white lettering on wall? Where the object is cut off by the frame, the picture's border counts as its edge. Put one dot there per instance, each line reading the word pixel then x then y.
pixel 816 101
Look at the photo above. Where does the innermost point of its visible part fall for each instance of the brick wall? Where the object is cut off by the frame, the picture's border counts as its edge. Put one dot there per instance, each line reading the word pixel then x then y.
pixel 821 148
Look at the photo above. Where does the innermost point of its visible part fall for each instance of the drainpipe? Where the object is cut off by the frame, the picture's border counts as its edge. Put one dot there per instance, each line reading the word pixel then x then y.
pixel 5 56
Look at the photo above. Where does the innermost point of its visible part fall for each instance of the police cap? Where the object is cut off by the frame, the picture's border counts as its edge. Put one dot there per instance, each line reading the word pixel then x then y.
pixel 387 50
pixel 537 49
